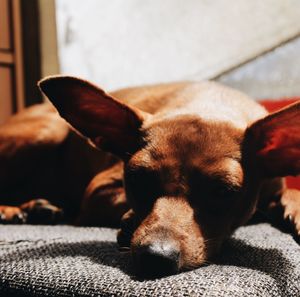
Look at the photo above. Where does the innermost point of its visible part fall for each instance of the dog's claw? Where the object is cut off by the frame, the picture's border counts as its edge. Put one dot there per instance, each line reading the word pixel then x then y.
pixel 12 215
pixel 124 249
pixel 290 218
pixel 2 217
pixel 19 218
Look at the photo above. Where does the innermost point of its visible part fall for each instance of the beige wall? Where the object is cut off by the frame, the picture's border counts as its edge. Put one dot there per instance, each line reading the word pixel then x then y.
pixel 127 42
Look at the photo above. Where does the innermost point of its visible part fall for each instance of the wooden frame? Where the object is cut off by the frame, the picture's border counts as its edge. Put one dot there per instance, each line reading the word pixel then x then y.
pixel 11 61
pixel 25 56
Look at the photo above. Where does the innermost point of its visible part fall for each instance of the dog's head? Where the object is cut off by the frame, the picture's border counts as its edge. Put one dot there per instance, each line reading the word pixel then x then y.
pixel 190 182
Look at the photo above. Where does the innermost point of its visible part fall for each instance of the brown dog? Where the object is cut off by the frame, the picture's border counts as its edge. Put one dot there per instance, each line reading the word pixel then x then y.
pixel 198 159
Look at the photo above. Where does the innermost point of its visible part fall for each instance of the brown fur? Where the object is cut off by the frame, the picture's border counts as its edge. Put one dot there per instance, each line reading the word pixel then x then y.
pixel 196 162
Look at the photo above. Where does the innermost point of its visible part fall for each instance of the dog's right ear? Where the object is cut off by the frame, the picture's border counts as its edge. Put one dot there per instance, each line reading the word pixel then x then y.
pixel 110 124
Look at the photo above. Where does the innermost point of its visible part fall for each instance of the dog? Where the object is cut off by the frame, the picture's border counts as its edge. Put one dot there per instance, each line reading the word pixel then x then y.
pixel 177 166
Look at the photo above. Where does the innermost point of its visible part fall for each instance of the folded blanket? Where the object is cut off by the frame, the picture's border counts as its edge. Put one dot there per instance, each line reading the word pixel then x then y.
pixel 258 260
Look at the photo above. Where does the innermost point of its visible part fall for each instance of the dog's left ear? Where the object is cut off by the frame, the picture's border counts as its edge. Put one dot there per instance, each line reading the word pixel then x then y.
pixel 109 123
pixel 272 144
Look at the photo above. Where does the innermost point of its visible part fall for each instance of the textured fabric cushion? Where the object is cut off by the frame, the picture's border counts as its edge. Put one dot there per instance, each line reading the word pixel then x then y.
pixel 258 260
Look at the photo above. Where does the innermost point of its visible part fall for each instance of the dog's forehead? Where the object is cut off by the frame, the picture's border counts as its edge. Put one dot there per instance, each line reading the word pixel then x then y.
pixel 190 135
pixel 190 142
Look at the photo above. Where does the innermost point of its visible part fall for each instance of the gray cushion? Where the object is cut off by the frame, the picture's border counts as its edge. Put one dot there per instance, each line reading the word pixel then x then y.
pixel 71 261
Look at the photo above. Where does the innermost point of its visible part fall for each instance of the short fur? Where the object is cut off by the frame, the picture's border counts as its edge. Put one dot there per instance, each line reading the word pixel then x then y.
pixel 186 164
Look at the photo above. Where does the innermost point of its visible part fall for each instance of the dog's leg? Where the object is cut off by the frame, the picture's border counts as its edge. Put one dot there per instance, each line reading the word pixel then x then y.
pixel 37 211
pixel 12 215
pixel 41 211
pixel 104 202
pixel 128 225
pixel 284 212
pixel 290 202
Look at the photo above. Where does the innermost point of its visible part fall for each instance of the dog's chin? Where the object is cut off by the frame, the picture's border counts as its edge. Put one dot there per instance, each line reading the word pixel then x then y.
pixel 152 266
pixel 160 269
pixel 149 264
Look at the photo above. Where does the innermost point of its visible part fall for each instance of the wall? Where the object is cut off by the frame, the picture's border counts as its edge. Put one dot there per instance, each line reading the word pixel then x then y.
pixel 118 43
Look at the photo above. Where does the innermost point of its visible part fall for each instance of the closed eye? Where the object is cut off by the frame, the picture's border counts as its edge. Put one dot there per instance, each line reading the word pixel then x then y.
pixel 212 195
pixel 223 192
pixel 143 185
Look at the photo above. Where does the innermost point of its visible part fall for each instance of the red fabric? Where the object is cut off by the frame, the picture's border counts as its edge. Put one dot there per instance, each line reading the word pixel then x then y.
pixel 271 105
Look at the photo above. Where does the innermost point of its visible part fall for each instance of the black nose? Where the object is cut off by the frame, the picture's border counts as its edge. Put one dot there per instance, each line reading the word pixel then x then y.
pixel 157 259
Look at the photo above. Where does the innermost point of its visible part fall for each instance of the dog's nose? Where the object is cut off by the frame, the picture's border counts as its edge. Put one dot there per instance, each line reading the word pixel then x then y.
pixel 157 259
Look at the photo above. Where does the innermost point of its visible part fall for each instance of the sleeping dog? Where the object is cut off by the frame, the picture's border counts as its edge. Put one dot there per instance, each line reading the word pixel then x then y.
pixel 185 165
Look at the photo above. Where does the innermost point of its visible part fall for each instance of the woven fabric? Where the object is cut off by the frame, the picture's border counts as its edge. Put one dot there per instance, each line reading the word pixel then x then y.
pixel 258 260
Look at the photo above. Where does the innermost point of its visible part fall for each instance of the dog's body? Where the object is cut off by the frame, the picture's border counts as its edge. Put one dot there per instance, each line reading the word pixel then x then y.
pixel 198 160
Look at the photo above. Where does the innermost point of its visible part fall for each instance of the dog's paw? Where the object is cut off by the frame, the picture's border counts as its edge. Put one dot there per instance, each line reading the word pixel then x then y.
pixel 12 215
pixel 291 204
pixel 41 211
pixel 127 228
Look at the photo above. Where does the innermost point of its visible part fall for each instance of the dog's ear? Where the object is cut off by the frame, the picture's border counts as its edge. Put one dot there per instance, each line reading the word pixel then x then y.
pixel 110 124
pixel 272 144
